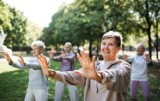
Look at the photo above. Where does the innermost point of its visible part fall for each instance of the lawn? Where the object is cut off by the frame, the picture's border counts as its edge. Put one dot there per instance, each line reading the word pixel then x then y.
pixel 13 83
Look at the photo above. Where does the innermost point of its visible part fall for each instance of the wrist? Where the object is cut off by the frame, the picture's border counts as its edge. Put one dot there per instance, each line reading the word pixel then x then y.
pixel 99 77
pixel 52 73
pixel 10 62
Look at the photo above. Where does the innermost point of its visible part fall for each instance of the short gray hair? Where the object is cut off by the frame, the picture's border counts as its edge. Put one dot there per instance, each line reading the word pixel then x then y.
pixel 69 44
pixel 114 34
pixel 140 45
pixel 38 43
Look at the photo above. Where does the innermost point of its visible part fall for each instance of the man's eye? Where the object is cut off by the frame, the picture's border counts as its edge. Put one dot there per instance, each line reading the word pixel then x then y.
pixel 110 44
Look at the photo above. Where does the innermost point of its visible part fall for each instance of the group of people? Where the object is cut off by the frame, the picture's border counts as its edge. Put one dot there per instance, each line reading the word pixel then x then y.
pixel 103 80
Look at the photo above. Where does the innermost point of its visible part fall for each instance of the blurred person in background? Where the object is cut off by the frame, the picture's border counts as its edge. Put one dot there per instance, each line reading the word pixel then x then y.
pixel 139 72
pixel 67 64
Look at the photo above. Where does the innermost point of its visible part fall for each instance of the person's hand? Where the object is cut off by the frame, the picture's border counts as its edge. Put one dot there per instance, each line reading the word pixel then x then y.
pixel 21 60
pixel 51 52
pixel 44 65
pixel 63 55
pixel 88 66
pixel 8 58
pixel 125 57
pixel 147 57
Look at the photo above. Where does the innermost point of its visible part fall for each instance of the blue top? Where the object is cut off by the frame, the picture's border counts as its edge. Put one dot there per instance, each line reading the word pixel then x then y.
pixel 67 63
pixel 37 80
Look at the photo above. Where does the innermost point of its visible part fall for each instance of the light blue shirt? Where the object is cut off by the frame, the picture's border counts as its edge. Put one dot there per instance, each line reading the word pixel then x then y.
pixel 37 80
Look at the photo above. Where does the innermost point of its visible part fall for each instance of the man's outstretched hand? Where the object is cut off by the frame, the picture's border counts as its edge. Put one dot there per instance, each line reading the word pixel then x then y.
pixel 88 66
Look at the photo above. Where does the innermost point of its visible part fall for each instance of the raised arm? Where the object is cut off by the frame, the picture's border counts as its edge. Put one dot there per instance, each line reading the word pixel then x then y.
pixel 8 58
pixel 45 66
pixel 12 62
pixel 21 60
pixel 30 63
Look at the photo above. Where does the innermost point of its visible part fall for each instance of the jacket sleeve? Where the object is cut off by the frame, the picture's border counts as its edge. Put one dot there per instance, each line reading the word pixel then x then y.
pixel 117 78
pixel 35 65
pixel 57 58
pixel 17 64
pixel 130 58
pixel 69 77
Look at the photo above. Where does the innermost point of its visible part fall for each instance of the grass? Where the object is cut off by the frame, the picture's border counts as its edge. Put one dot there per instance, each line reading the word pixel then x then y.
pixel 13 84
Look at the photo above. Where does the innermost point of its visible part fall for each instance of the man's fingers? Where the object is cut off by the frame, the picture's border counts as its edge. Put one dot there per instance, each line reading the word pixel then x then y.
pixel 93 59
pixel 87 58
pixel 79 58
pixel 80 73
pixel 20 59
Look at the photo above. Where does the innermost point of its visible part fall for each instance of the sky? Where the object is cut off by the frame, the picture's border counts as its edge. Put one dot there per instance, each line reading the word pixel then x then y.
pixel 38 11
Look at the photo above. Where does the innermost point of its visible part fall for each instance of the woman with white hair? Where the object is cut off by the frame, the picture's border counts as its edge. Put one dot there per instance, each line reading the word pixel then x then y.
pixel 139 72
pixel 38 83
pixel 67 64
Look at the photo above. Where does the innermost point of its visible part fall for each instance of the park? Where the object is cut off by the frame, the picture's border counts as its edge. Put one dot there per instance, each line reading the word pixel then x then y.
pixel 83 23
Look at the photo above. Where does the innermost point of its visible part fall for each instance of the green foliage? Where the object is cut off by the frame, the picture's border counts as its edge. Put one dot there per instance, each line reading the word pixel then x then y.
pixel 19 24
pixel 14 25
pixel 33 32
pixel 20 32
pixel 89 19
pixel 4 16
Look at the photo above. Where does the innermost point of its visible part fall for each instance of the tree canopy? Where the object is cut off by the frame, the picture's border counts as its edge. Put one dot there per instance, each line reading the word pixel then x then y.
pixel 90 19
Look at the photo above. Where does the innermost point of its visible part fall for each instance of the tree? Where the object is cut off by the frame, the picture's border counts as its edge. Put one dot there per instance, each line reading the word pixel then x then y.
pixel 14 25
pixel 33 32
pixel 146 11
pixel 4 16
pixel 16 35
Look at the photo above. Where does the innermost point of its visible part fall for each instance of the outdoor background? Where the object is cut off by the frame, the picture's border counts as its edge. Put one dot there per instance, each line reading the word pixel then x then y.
pixel 81 22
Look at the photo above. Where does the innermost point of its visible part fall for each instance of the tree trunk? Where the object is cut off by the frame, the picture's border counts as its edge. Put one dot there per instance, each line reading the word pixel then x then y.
pixel 149 42
pixel 156 35
pixel 148 29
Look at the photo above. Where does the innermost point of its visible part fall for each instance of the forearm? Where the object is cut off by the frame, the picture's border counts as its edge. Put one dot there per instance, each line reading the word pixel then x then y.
pixel 99 77
pixel 16 64
pixel 69 77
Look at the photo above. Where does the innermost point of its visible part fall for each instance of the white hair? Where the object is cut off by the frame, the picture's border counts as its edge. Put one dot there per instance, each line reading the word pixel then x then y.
pixel 68 44
pixel 38 43
pixel 116 35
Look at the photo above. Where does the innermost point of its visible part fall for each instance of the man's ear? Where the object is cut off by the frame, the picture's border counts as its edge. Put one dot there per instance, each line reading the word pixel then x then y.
pixel 118 49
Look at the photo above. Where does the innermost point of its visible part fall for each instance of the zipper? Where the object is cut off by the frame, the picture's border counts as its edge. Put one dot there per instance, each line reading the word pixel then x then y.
pixel 97 63
pixel 97 87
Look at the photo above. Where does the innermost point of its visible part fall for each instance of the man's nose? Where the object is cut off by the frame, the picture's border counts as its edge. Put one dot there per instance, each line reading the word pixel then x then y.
pixel 106 46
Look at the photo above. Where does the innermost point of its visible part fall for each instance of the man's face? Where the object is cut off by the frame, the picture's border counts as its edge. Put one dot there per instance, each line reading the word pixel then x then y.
pixel 67 48
pixel 109 49
pixel 140 50
pixel 36 51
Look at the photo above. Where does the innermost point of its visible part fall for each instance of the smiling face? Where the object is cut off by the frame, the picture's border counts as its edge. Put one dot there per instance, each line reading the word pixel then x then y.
pixel 67 48
pixel 36 50
pixel 140 50
pixel 109 49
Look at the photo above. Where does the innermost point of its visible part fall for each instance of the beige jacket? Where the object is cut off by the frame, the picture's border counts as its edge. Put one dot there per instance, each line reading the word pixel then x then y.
pixel 113 86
